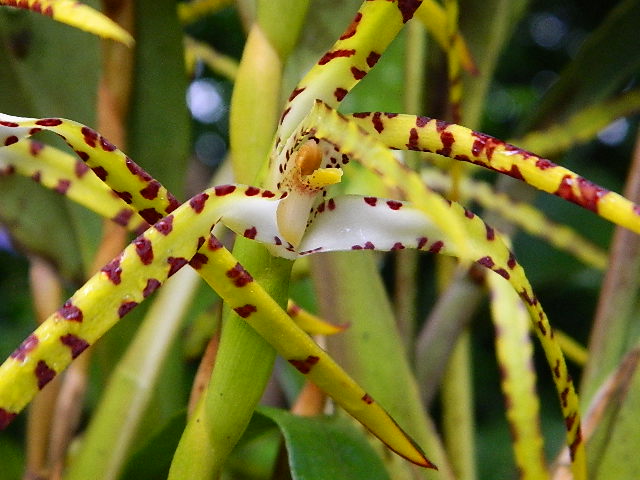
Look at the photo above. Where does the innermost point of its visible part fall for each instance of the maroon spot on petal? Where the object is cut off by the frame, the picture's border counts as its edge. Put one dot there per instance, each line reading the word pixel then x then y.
pixel 514 172
pixel 413 140
pixel 377 122
pixel 331 204
pixel 327 57
pixel 361 114
pixel 295 93
pixel 267 194
pixel 152 286
pixel 213 243
pixel 222 190
pixel 137 170
pixel 197 202
pixel 320 208
pixel 277 241
pixel 356 247
pixel 556 369
pixel 422 121
pixel 570 420
pixel 589 193
pixel 151 215
pixel 90 136
pixel 239 275
pixel 9 124
pixel 123 217
pixel 245 310
pixel 126 307
pixel 251 233
pixel 44 374
pixel 368 399
pixel 144 249
pixel 357 73
pixel 469 214
pixel 563 396
pixel 106 145
pixel 70 312
pixel 62 186
pixel 175 264
pixel 370 201
pixel 340 93
pixel 75 343
pixel 284 114
pixel 25 348
pixel 165 225
pixel 369 246
pixel 436 247
pixel 394 205
pixel 35 147
pixel 503 273
pixel 486 262
pixel 151 190
pixel 126 197
pixel 447 140
pixel 80 169
pixel 251 191
pixel 407 8
pixel 422 241
pixel 544 164
pixel 173 203
pixel 101 173
pixel 305 366
pixel 397 246
pixel 511 263
pixel 49 122
pixel 372 58
pixel 33 131
pixel 113 271
pixel 198 260
pixel 5 418
pixel 531 300
pixel 491 233
pixel 352 28
pixel 10 140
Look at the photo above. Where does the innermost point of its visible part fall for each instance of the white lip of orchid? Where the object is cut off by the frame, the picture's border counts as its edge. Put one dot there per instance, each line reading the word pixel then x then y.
pixel 306 180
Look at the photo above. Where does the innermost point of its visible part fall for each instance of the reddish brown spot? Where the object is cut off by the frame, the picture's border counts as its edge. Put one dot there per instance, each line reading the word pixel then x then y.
pixel 397 246
pixel 106 145
pixel 377 122
pixel 80 169
pixel 252 191
pixel 422 241
pixel 113 271
pixel 126 307
pixel 5 418
pixel 10 140
pixel 369 246
pixel 123 217
pixel 165 225
pixel 75 343
pixel 284 114
pixel 413 139
pixel 361 114
pixel 447 140
pixel 137 170
pixel 320 208
pixel 144 249
pixel 9 124
pixel 198 260
pixel 267 194
pixel 62 186
pixel 574 445
pixel 503 273
pixel 84 156
pixel 436 247
pixel 251 233
pixel 491 233
pixel 542 328
pixel 530 299
pixel 126 197
pixel 589 193
pixel 222 190
pixel 422 121
pixel 327 57
pixel 486 262
pixel 175 264
pixel 239 275
pixel 357 73
pixel 368 399
pixel 352 28
pixel 305 366
pixel 331 204
pixel 407 8
pixel 370 201
pixel 35 147
pixel 295 93
pixel 173 203
pixel 340 93
pixel 151 215
pixel 49 122
pixel 514 172
pixel 151 190
pixel 356 247
pixel 372 58
pixel 197 202
pixel 511 263
pixel 101 173
pixel 44 374
pixel 213 243
pixel 25 348
pixel 469 214
pixel 90 136
pixel 556 369
pixel 544 164
pixel 394 205
pixel 563 397
pixel 70 312
pixel 245 310
pixel 152 286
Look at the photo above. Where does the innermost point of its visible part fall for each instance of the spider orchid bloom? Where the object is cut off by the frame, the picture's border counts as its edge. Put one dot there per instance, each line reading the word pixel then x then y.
pixel 295 216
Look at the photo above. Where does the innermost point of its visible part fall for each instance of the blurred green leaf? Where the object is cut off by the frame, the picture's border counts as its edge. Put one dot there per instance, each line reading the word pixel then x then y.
pixel 340 450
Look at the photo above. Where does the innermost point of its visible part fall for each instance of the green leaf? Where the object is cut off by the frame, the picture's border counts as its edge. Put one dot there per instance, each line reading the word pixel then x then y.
pixel 340 450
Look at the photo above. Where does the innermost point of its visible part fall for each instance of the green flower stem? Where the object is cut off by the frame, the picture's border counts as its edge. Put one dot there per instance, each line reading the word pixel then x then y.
pixel 109 438
pixel 350 290
pixel 242 369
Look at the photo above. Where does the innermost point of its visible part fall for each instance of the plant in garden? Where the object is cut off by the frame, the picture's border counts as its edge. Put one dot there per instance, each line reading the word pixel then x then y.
pixel 293 198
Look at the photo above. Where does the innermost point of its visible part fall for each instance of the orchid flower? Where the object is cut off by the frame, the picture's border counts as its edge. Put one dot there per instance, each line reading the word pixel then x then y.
pixel 294 213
